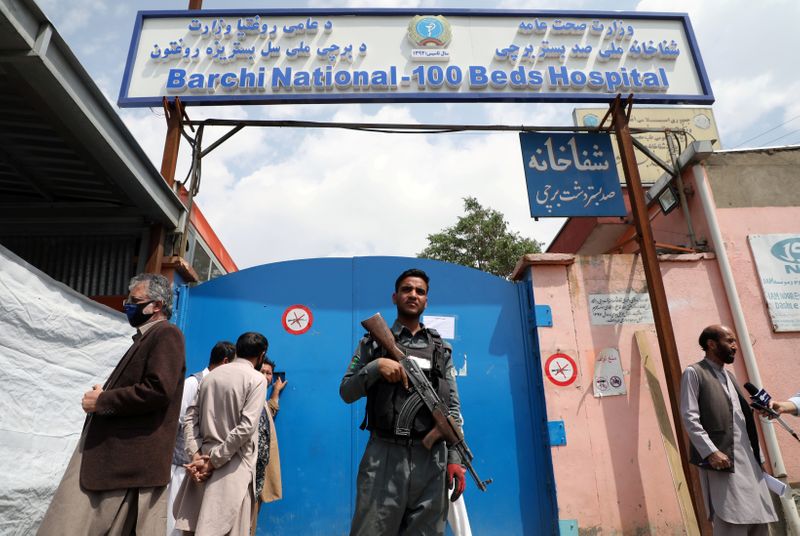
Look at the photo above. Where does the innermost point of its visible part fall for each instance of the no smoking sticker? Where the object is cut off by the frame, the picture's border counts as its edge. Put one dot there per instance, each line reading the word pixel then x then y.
pixel 561 369
pixel 297 319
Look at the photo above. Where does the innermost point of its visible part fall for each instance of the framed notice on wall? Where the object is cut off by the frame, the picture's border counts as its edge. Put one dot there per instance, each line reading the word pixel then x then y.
pixel 777 259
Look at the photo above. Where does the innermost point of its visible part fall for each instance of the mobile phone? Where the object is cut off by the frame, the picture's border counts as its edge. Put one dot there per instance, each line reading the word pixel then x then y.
pixel 281 375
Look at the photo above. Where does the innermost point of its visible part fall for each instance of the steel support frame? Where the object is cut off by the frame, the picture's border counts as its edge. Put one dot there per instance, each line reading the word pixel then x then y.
pixel 626 143
pixel 658 297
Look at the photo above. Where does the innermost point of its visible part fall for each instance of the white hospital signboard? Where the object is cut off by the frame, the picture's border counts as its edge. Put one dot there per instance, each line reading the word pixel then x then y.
pixel 777 259
pixel 372 55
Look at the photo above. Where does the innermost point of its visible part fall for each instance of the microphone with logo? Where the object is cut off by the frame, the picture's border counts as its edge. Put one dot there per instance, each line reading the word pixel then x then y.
pixel 760 400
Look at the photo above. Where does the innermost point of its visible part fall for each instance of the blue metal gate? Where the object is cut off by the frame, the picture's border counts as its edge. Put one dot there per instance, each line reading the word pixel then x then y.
pixel 495 351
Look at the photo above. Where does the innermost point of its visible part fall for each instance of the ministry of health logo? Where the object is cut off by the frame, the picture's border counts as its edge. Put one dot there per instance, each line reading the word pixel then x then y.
pixel 428 31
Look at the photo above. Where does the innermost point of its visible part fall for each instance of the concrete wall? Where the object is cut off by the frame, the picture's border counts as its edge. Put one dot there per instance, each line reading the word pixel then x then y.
pixel 760 178
pixel 755 192
pixel 613 474
pixel 777 354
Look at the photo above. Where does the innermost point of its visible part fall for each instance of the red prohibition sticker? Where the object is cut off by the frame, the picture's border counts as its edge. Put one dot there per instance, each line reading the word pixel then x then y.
pixel 561 369
pixel 297 319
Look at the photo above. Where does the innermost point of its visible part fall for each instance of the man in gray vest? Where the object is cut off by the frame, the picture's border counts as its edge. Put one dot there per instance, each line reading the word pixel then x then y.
pixel 221 353
pixel 402 486
pixel 724 443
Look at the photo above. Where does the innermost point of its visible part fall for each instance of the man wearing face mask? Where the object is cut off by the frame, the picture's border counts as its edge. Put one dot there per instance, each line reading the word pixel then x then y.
pixel 116 481
pixel 221 437
pixel 724 443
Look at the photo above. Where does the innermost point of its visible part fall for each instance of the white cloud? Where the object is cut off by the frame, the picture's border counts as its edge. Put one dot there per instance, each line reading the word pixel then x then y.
pixel 281 193
pixel 344 193
pixel 746 102
pixel 76 16
pixel 751 68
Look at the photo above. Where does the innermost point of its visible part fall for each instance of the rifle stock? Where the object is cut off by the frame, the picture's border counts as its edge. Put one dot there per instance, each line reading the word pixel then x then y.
pixel 379 329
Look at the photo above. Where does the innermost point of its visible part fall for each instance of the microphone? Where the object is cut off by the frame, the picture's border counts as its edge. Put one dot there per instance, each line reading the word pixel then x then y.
pixel 760 400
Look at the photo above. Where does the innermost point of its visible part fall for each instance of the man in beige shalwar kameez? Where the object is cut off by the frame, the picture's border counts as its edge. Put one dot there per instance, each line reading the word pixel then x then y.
pixel 221 433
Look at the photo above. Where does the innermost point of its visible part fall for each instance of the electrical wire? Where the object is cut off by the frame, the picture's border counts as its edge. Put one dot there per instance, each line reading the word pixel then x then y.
pixel 768 131
pixel 781 137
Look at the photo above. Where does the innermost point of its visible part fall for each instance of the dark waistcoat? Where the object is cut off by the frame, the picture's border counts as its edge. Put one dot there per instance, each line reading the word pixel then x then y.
pixel 716 415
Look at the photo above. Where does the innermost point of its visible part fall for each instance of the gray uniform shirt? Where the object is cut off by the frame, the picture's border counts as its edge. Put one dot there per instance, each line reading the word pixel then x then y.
pixel 741 497
pixel 362 373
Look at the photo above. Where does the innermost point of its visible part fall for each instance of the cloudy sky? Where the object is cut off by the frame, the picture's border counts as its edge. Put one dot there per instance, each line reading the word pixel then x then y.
pixel 278 194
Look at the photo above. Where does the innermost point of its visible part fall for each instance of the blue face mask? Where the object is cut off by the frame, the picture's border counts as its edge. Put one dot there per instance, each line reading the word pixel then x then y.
pixel 134 313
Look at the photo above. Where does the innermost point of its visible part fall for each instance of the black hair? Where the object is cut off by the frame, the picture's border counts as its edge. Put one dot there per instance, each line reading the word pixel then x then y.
pixel 251 344
pixel 270 362
pixel 221 350
pixel 412 272
pixel 711 333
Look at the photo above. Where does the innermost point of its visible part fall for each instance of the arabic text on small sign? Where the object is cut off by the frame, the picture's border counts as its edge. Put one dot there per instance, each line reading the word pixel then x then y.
pixel 571 175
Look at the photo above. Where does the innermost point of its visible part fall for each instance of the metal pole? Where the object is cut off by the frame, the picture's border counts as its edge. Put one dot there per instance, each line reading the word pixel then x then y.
pixel 674 153
pixel 173 110
pixel 415 128
pixel 658 299
pixel 169 161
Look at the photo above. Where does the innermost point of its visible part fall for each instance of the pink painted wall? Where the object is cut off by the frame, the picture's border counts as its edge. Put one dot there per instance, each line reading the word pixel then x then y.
pixel 613 473
pixel 777 354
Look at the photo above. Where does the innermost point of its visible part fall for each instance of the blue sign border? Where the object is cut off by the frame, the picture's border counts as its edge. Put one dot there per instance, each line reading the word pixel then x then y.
pixel 595 179
pixel 204 100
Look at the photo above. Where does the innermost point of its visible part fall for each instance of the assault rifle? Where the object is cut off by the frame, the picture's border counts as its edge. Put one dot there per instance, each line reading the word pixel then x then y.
pixel 444 425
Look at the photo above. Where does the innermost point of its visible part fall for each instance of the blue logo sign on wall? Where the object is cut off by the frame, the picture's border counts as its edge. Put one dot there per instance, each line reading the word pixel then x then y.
pixel 571 175
pixel 428 31
pixel 787 250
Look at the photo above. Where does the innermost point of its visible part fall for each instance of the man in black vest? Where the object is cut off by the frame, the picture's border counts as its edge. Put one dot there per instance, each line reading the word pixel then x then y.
pixel 724 443
pixel 402 486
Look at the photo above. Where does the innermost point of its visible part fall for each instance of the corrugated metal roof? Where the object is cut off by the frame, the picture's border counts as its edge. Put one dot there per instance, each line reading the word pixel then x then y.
pixel 40 164
pixel 63 149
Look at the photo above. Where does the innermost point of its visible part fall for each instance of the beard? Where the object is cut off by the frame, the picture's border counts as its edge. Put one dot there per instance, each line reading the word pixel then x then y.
pixel 413 312
pixel 728 358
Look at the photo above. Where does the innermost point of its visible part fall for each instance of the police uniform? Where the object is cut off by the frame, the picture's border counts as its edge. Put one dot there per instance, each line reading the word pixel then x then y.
pixel 402 486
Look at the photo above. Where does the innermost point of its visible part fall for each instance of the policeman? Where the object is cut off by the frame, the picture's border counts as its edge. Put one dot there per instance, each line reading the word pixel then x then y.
pixel 402 486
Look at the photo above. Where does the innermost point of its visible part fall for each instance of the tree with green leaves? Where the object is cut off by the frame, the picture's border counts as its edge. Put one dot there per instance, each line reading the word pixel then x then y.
pixel 480 239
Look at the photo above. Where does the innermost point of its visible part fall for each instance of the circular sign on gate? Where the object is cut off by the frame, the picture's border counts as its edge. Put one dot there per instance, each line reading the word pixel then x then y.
pixel 297 319
pixel 561 369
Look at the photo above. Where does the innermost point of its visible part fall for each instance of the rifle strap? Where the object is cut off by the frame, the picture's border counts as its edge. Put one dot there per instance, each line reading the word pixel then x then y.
pixel 377 352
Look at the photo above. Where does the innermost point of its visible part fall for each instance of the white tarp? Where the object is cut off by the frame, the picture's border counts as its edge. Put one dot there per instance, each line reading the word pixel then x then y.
pixel 54 345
